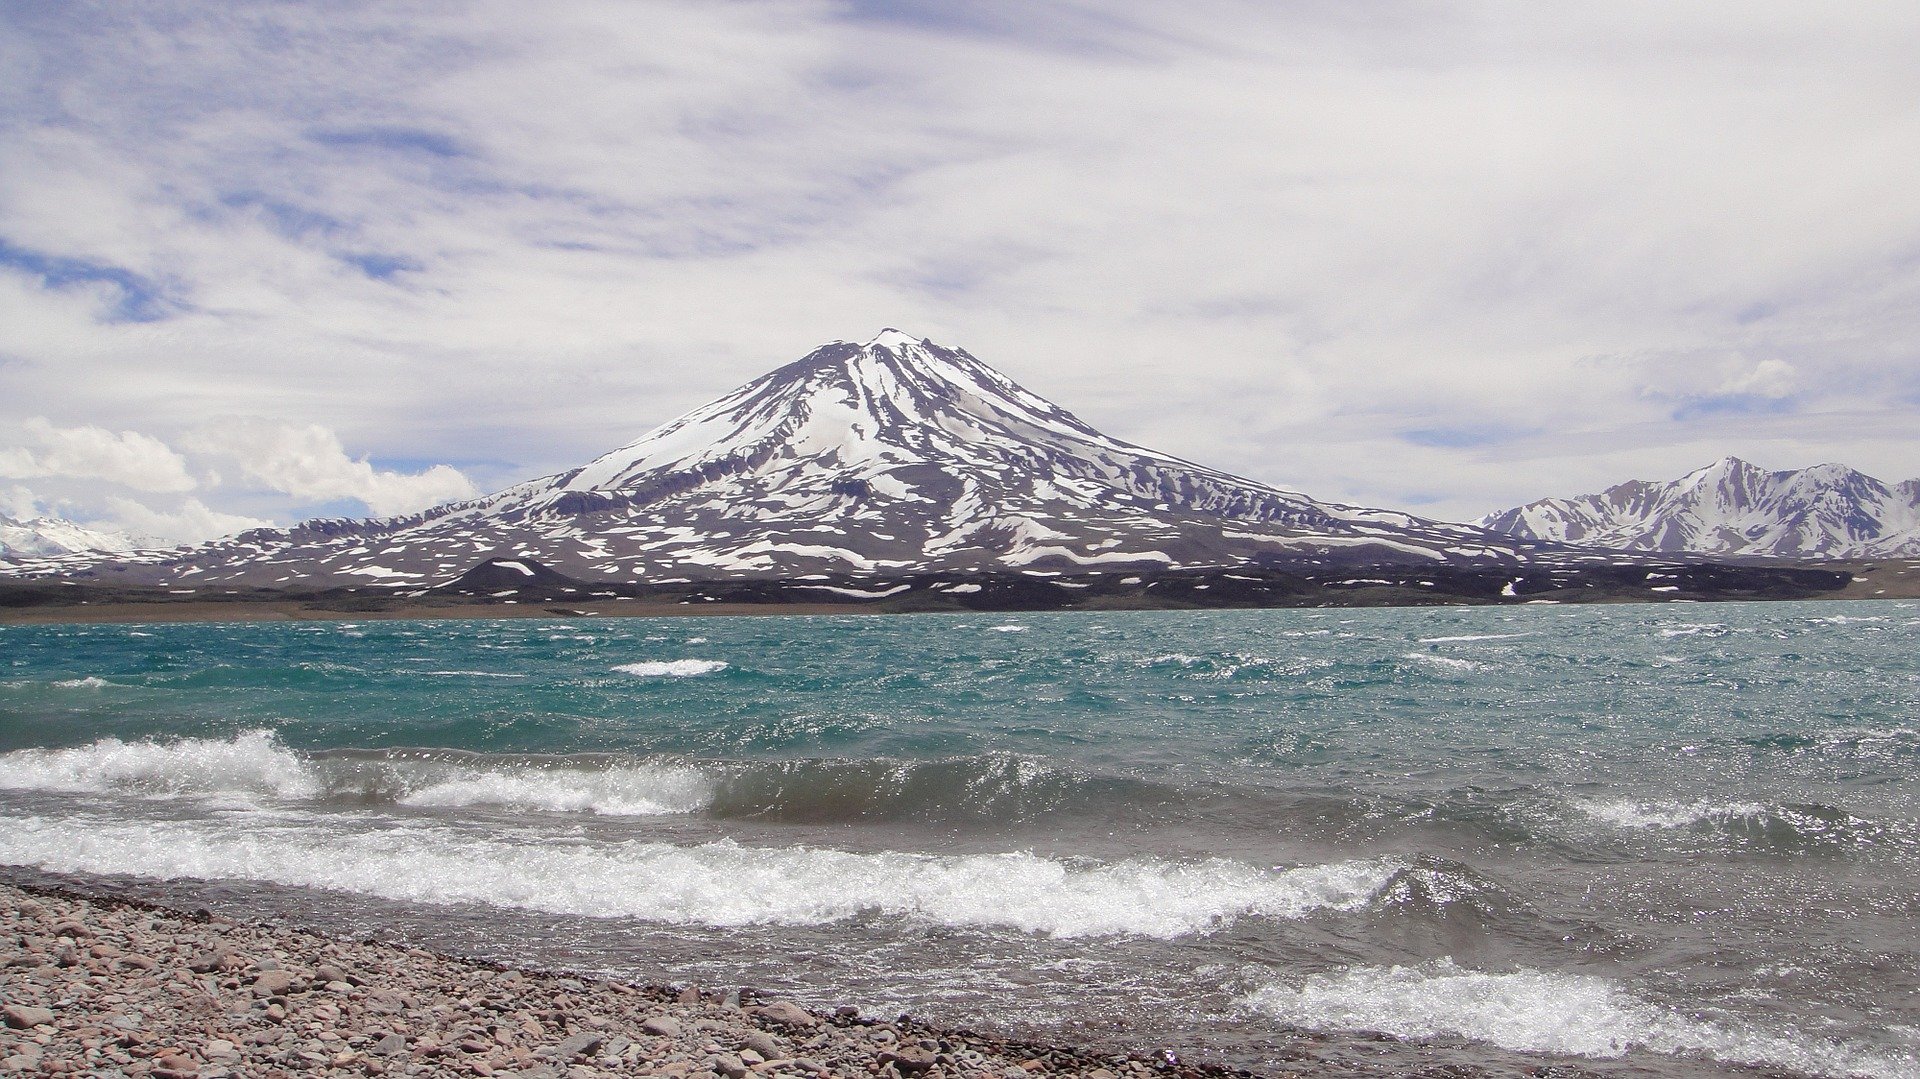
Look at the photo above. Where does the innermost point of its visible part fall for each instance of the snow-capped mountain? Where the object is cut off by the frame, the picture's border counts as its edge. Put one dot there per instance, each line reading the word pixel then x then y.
pixel 890 456
pixel 43 537
pixel 1731 507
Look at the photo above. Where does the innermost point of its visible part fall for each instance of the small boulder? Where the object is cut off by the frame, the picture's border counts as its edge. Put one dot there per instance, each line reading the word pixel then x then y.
pixel 209 961
pixel 909 1060
pixel 174 1066
pixel 759 1041
pixel 25 1016
pixel 661 1026
pixel 786 1013
pixel 583 1044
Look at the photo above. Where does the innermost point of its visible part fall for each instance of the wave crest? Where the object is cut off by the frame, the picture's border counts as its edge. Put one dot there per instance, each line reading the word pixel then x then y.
pixel 717 884
pixel 997 788
pixel 1780 826
pixel 672 668
pixel 250 763
pixel 1531 1011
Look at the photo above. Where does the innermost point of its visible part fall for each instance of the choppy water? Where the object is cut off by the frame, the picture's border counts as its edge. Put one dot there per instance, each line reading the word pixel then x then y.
pixel 1646 840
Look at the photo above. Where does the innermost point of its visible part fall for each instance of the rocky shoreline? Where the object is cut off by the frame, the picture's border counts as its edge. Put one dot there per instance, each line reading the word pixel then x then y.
pixel 486 591
pixel 118 988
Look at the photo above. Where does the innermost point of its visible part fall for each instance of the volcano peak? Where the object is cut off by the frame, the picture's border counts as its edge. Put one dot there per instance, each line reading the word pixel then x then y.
pixel 891 338
pixel 895 455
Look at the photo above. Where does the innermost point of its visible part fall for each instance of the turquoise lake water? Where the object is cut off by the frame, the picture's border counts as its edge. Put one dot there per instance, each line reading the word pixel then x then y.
pixel 1649 839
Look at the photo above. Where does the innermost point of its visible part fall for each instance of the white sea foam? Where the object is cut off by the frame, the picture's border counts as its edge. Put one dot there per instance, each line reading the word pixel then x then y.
pixel 254 764
pixel 616 792
pixel 720 884
pixel 1009 628
pixel 470 674
pixel 1449 662
pixel 1533 1011
pixel 1696 629
pixel 672 668
pixel 1624 813
pixel 1472 637
pixel 249 763
pixel 89 682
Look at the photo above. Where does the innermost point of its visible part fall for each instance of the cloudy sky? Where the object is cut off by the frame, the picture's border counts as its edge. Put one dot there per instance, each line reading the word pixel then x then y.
pixel 264 261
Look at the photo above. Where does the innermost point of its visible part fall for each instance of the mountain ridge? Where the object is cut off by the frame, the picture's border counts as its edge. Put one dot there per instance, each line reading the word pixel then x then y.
pixel 42 537
pixel 1733 508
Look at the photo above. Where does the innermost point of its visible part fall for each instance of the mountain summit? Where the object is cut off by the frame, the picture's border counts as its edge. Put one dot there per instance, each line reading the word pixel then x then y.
pixel 890 456
pixel 42 537
pixel 1732 507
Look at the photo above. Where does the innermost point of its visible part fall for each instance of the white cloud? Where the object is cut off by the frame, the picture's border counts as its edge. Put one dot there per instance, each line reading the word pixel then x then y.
pixel 1768 378
pixel 127 458
pixel 19 503
pixel 309 462
pixel 1274 238
pixel 189 522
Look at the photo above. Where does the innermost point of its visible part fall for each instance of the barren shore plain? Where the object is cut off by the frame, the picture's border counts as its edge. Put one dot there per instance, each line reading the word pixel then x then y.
pixel 24 602
pixel 110 987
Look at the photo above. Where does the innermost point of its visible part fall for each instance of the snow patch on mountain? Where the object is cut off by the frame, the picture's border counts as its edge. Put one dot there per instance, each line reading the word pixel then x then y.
pixel 1732 507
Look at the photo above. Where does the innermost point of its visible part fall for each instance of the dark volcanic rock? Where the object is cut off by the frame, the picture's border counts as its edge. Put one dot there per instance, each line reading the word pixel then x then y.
pixel 517 578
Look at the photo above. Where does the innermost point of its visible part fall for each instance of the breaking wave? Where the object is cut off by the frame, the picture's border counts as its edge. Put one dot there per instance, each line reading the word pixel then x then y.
pixel 672 668
pixel 997 788
pixel 1784 827
pixel 1449 663
pixel 254 764
pixel 716 884
pixel 1572 1014
pixel 251 763
pixel 644 790
pixel 990 788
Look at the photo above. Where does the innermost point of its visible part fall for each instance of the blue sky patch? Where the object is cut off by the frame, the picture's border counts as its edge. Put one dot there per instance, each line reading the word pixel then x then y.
pixel 1457 438
pixel 380 267
pixel 396 139
pixel 1734 404
pixel 141 299
pixel 286 218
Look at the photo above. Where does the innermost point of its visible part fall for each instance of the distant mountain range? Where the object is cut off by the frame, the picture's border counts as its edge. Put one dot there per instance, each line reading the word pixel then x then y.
pixel 1733 508
pixel 891 456
pixel 900 460
pixel 44 537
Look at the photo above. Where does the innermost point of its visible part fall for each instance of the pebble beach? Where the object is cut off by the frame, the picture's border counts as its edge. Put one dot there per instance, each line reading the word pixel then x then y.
pixel 107 988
